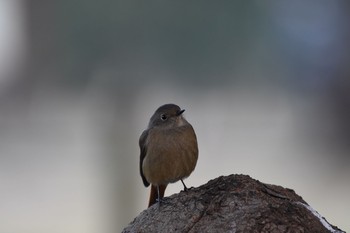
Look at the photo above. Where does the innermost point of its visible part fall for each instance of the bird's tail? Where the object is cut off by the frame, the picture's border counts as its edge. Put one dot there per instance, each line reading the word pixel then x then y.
pixel 154 194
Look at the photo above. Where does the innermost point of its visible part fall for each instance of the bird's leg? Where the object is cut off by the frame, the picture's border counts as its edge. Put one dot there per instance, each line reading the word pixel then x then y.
pixel 185 188
pixel 160 192
pixel 158 199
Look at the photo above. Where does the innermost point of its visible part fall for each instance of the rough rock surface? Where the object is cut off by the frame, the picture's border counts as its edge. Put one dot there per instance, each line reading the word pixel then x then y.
pixel 235 203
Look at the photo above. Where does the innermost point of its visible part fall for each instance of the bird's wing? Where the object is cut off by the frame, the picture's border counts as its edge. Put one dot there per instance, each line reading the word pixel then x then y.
pixel 143 151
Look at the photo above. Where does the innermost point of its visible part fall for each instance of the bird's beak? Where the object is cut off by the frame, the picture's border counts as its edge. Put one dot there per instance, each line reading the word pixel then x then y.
pixel 180 112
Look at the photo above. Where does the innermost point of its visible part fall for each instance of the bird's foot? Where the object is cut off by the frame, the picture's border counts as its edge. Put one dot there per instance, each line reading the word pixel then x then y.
pixel 161 201
pixel 185 187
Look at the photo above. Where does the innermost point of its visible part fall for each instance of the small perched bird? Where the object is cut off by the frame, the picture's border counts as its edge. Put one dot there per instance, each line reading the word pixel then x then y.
pixel 169 150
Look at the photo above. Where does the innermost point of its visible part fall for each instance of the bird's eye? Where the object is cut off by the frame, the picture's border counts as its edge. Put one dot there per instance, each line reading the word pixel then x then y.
pixel 163 117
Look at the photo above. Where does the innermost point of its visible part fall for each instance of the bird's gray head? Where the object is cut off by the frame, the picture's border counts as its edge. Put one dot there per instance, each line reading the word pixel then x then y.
pixel 168 115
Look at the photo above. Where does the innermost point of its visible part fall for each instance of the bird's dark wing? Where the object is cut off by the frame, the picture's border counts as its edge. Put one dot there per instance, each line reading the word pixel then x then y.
pixel 143 151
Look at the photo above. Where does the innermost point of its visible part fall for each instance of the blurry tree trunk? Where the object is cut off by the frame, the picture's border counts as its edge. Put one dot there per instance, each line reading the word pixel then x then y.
pixel 235 203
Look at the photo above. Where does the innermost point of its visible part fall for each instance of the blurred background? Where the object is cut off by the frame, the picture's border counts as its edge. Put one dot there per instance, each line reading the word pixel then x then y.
pixel 265 84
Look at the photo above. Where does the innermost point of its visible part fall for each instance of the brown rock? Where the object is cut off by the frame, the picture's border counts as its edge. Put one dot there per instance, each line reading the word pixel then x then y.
pixel 235 203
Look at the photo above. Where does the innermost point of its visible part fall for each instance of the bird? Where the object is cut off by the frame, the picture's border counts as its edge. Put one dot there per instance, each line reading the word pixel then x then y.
pixel 168 150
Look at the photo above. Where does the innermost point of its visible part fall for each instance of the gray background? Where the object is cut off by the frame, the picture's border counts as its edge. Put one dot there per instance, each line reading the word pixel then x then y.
pixel 264 83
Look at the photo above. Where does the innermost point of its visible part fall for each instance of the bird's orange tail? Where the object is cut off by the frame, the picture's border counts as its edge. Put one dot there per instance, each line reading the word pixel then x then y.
pixel 154 194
